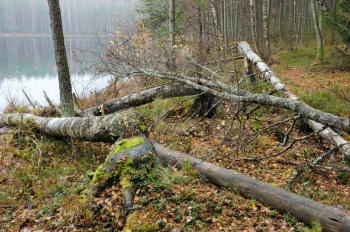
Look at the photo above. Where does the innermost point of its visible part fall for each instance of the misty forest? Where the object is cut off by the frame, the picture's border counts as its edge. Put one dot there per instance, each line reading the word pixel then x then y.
pixel 175 115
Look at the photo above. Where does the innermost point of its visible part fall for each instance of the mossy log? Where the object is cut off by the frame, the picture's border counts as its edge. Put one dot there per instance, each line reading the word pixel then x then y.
pixel 105 128
pixel 124 158
pixel 128 158
pixel 327 133
pixel 306 210
pixel 140 98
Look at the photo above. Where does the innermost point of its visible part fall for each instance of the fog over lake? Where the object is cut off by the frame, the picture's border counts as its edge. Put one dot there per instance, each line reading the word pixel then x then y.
pixel 26 49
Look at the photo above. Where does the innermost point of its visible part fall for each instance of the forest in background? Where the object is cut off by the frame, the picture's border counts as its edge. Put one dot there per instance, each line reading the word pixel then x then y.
pixel 287 24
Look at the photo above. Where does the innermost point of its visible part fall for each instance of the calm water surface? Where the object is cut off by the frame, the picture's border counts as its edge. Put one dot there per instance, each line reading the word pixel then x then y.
pixel 28 63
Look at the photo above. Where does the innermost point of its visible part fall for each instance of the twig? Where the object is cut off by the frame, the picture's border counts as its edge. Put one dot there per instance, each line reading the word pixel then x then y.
pixel 286 137
pixel 8 206
pixel 28 98
pixel 259 159
pixel 255 135
pixel 51 103
pixel 301 168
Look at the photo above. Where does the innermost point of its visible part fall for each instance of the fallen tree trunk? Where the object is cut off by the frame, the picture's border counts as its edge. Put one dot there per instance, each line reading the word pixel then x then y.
pixel 306 210
pixel 140 98
pixel 327 133
pixel 105 128
pixel 230 93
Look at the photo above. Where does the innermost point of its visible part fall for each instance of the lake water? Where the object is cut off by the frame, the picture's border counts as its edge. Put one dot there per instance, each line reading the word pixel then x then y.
pixel 27 62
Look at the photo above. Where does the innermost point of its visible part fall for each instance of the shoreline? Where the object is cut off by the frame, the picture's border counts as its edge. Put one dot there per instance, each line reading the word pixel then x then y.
pixel 42 35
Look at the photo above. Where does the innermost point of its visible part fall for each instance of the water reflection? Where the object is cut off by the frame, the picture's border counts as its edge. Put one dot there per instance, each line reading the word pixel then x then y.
pixel 28 63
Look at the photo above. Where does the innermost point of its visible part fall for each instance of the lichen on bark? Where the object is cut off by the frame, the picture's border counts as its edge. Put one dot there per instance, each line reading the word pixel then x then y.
pixel 107 128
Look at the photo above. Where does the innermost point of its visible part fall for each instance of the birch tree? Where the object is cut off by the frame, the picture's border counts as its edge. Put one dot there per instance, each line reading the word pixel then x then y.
pixel 172 24
pixel 266 19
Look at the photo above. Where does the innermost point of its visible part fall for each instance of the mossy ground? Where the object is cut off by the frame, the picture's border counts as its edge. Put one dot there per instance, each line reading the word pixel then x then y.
pixel 41 177
pixel 324 86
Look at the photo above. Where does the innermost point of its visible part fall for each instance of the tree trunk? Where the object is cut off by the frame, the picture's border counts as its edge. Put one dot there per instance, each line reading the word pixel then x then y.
pixel 230 93
pixel 205 105
pixel 280 22
pixel 306 210
pixel 65 86
pixel 105 128
pixel 140 98
pixel 254 31
pixel 295 24
pixel 172 40
pixel 128 160
pixel 266 19
pixel 225 31
pixel 139 149
pixel 237 20
pixel 328 134
pixel 319 37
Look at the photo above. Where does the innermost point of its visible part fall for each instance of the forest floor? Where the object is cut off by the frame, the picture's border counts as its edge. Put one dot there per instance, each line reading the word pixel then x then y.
pixel 41 178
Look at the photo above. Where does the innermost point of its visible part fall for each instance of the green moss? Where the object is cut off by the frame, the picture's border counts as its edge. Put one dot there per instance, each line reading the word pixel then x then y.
pixel 127 172
pixel 302 56
pixel 101 174
pixel 123 165
pixel 315 227
pixel 188 169
pixel 127 144
pixel 142 125
pixel 126 182
pixel 139 223
pixel 328 102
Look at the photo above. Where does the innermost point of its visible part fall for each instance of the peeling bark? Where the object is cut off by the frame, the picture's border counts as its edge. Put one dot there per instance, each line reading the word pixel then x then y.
pixel 105 128
pixel 268 74
pixel 327 134
pixel 140 98
pixel 307 210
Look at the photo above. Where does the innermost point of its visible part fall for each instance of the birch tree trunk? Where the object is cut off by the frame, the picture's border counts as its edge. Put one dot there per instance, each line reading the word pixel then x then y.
pixel 266 23
pixel 228 92
pixel 65 86
pixel 172 40
pixel 140 98
pixel 326 133
pixel 98 129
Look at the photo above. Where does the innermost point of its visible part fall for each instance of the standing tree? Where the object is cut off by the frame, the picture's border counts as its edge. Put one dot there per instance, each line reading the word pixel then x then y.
pixel 319 37
pixel 172 25
pixel 66 95
pixel 253 22
pixel 266 23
